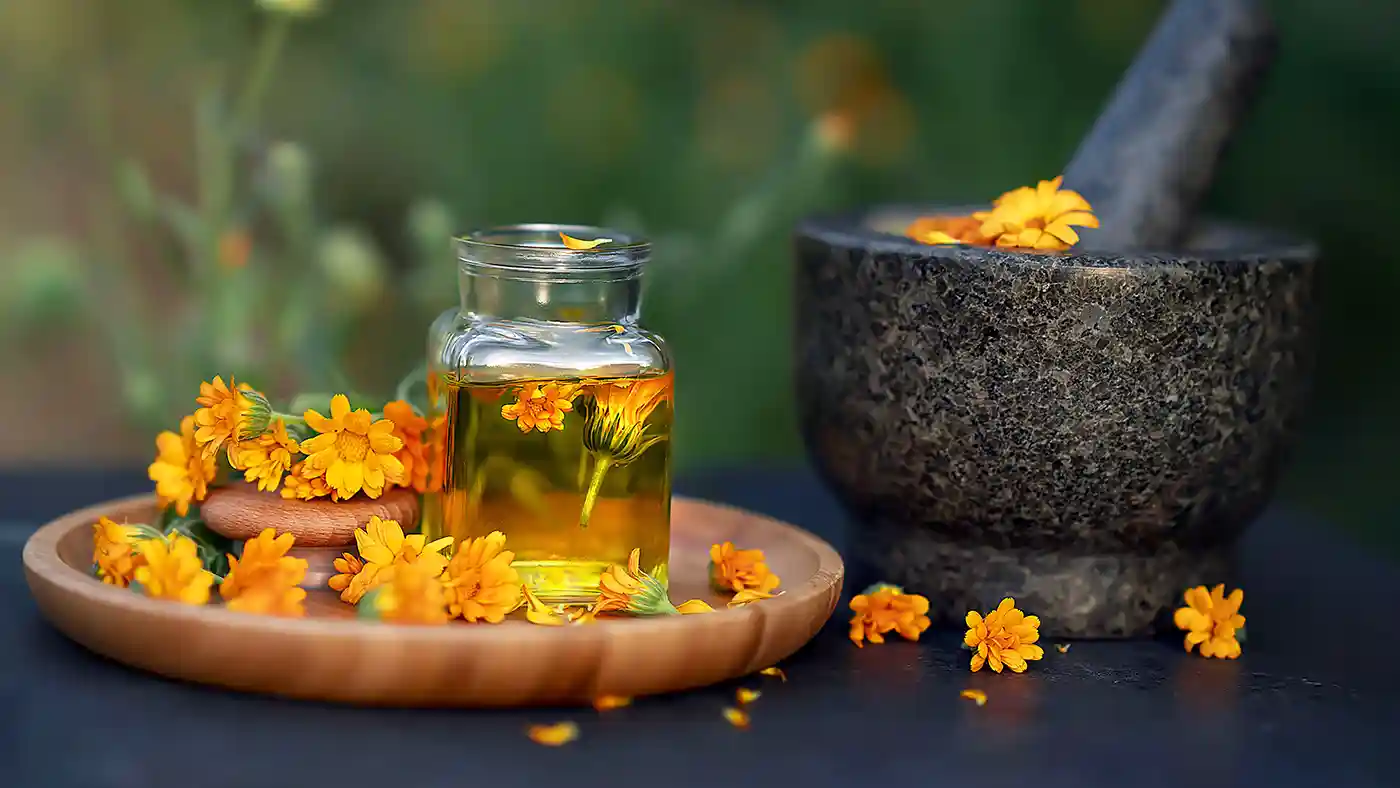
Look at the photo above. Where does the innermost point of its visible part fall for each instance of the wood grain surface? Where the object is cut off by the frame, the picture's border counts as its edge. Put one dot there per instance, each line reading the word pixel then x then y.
pixel 333 656
pixel 241 511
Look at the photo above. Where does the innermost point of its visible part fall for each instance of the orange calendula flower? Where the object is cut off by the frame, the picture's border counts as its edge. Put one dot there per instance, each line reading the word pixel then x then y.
pixel 347 566
pixel 537 612
pixel 610 702
pixel 181 471
pixel 411 594
pixel 975 695
pixel 735 570
pixel 1212 621
pixel 627 589
pixel 115 551
pixel 265 579
pixel 481 584
pixel 1006 636
pixel 410 428
pixel 745 696
pixel 737 717
pixel 228 413
pixel 1043 217
pixel 302 487
pixel 539 407
pixel 266 458
pixel 578 244
pixel 353 452
pixel 556 735
pixel 947 230
pixel 172 570
pixel 382 544
pixel 885 608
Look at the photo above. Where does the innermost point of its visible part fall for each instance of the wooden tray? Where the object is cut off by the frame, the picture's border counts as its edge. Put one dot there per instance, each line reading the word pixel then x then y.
pixel 331 655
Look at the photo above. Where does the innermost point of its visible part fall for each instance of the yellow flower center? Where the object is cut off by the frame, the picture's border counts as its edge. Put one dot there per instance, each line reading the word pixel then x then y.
pixel 351 446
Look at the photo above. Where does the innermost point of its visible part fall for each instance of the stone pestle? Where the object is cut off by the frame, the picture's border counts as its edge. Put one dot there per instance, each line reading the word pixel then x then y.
pixel 1151 155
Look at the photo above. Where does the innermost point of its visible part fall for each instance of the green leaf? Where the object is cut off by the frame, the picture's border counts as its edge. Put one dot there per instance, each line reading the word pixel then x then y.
pixel 368 608
pixel 213 547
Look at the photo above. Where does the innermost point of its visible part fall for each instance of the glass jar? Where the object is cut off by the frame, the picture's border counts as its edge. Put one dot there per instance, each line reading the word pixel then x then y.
pixel 558 407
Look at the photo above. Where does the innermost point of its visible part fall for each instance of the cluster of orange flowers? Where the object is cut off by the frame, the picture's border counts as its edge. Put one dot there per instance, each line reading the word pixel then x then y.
pixel 168 566
pixel 307 456
pixel 410 580
pixel 1042 218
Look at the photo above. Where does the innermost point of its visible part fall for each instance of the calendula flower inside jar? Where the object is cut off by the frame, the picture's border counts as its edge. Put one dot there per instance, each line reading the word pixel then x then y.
pixel 557 407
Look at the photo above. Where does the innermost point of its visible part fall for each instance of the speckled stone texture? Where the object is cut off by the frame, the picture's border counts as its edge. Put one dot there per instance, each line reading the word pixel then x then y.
pixel 1087 433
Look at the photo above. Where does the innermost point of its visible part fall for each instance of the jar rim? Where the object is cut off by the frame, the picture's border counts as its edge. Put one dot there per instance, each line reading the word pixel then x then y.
pixel 537 247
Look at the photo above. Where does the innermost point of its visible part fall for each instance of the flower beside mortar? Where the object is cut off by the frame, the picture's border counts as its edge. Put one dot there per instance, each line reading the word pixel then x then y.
pixel 883 608
pixel 1004 637
pixel 1212 621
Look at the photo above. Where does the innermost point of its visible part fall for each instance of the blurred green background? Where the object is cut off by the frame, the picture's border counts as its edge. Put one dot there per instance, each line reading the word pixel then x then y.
pixel 165 216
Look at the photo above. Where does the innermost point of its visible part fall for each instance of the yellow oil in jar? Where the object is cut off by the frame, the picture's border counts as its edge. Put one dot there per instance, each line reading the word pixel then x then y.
pixel 575 472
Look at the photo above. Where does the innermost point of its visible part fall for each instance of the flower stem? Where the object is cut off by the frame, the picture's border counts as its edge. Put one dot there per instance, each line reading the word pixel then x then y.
pixel 591 497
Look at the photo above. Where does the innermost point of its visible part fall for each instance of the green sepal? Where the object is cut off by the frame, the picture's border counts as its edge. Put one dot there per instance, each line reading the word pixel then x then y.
pixel 137 587
pixel 652 600
pixel 882 587
pixel 213 548
pixel 368 606
pixel 1240 635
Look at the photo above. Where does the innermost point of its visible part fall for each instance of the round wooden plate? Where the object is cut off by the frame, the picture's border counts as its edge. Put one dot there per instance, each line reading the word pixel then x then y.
pixel 331 655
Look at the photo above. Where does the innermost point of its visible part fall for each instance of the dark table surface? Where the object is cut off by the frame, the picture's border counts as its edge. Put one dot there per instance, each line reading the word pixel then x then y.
pixel 1313 701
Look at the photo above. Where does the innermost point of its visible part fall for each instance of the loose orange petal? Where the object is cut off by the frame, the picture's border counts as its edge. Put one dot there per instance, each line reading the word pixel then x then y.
pixel 774 671
pixel 975 695
pixel 737 718
pixel 1063 648
pixel 745 696
pixel 609 702
pixel 571 242
pixel 694 606
pixel 556 735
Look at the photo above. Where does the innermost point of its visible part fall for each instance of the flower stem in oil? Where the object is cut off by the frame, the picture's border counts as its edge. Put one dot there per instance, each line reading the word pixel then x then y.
pixel 591 496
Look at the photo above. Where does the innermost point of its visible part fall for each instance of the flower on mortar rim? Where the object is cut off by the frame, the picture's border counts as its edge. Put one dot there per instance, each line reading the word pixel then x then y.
pixel 885 608
pixel 1005 636
pixel 116 550
pixel 297 485
pixel 1041 218
pixel 181 471
pixel 480 581
pixel 1212 621
pixel 353 451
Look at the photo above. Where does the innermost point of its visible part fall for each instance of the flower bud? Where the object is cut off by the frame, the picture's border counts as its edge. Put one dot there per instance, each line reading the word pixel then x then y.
pixel 289 174
pixel 352 266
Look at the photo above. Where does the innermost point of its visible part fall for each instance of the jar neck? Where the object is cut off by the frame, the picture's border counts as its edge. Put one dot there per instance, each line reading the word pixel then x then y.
pixel 616 301
pixel 526 272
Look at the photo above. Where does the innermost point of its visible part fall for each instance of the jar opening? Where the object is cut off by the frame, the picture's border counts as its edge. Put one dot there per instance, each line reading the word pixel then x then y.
pixel 537 249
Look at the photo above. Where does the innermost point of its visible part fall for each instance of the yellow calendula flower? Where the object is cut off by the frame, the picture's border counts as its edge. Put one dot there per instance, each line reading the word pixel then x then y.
pixel 481 584
pixel 382 544
pixel 1212 621
pixel 297 485
pixel 353 452
pixel 1006 636
pixel 735 570
pixel 228 413
pixel 885 608
pixel 539 407
pixel 265 579
pixel 411 594
pixel 1043 217
pixel 173 570
pixel 410 428
pixel 181 471
pixel 347 566
pixel 266 458
pixel 114 551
